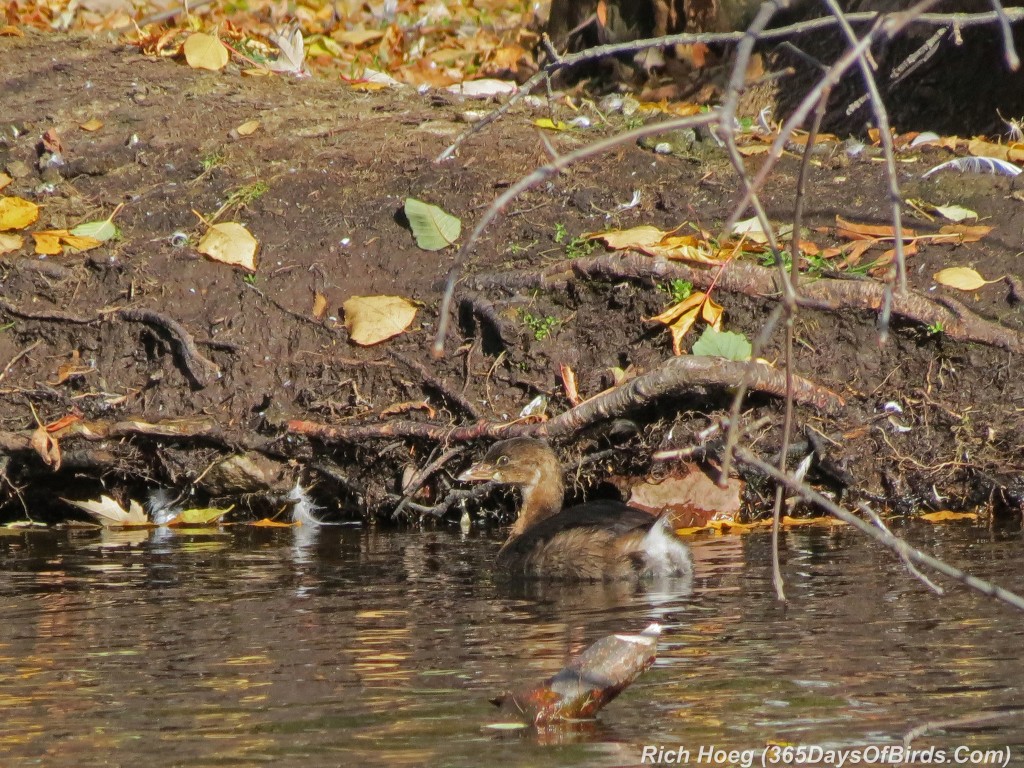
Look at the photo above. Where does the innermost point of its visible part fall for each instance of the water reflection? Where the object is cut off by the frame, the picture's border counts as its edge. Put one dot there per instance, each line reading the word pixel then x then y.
pixel 348 644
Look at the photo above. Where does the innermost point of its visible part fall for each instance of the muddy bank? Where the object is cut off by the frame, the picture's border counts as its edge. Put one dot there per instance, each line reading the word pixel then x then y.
pixel 169 363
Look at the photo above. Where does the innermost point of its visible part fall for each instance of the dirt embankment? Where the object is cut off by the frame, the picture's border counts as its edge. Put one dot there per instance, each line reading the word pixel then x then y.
pixel 173 363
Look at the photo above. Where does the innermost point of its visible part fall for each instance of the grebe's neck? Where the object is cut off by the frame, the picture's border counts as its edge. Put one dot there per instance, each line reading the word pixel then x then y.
pixel 542 496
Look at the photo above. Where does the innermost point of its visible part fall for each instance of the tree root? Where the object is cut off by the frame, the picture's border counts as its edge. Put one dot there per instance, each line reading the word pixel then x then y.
pixel 833 295
pixel 676 376
pixel 199 369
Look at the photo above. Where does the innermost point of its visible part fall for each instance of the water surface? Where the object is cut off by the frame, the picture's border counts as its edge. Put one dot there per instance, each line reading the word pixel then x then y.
pixel 350 646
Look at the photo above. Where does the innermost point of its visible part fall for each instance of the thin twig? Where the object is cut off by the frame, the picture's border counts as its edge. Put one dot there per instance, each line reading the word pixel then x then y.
pixel 18 357
pixel 888 539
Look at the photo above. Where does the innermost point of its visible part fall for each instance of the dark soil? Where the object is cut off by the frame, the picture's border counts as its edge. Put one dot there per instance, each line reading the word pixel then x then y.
pixel 337 165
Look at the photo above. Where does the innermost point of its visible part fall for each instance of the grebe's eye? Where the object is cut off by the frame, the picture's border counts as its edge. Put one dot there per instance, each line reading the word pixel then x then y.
pixel 502 461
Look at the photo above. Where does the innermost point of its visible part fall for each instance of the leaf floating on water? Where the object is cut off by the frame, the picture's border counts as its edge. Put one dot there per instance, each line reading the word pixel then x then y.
pixel 203 51
pixel 372 319
pixel 110 514
pixel 230 243
pixel 432 227
pixel 962 278
pixel 945 515
pixel 731 346
pixel 200 516
pixel 17 213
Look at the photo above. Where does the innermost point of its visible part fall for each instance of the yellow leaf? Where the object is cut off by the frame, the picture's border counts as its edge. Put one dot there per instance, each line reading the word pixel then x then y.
pixel 711 311
pixel 92 125
pixel 200 516
pixel 9 243
pixel 230 243
pixel 962 278
pixel 48 243
pixel 204 51
pixel 945 515
pixel 680 328
pixel 636 237
pixel 319 305
pixel 674 312
pixel 550 125
pixel 80 242
pixel 17 213
pixel 372 319
pixel 266 523
pixel 248 128
pixel 5 180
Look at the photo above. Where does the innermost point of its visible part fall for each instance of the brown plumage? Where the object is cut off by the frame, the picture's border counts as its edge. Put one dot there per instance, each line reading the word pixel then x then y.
pixel 595 541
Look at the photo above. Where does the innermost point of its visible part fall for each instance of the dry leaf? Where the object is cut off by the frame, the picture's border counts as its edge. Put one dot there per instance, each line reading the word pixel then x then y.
pixel 852 231
pixel 204 51
pixel 964 233
pixel 962 278
pixel 248 128
pixel 52 241
pixel 110 514
pixel 47 447
pixel 17 213
pixel 319 305
pixel 569 383
pixel 5 180
pixel 945 515
pixel 47 243
pixel 10 243
pixel 92 125
pixel 372 319
pixel 230 243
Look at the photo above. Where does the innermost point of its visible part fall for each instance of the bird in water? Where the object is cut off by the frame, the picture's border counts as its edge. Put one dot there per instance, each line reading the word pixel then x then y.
pixel 599 540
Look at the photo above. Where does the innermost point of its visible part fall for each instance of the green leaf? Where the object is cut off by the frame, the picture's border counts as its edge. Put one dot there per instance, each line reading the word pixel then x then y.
pixel 100 230
pixel 433 228
pixel 731 346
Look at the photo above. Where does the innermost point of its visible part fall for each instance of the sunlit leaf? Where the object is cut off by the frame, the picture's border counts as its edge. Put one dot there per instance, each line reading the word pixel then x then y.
pixel 17 213
pixel 203 51
pixel 48 242
pixel 248 128
pixel 44 444
pixel 955 212
pixel 962 278
pixel 97 230
pixel 372 319
pixel 111 514
pixel 230 243
pixel 92 125
pixel 731 346
pixel 945 515
pixel 551 125
pixel 200 516
pixel 432 227
pixel 10 243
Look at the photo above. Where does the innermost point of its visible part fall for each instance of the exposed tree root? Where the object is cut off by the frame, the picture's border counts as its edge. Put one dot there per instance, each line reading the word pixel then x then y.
pixel 199 369
pixel 676 376
pixel 829 294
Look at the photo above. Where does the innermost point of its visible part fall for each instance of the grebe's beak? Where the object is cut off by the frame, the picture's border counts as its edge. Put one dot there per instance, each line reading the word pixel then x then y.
pixel 480 471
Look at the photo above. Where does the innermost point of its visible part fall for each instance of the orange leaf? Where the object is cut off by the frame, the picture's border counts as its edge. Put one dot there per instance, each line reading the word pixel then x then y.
pixel 853 231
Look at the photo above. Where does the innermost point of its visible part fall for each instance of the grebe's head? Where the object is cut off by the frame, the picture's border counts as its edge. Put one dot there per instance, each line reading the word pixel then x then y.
pixel 519 461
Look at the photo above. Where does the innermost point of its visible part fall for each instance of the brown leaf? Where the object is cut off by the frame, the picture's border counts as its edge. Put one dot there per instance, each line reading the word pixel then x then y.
pixel 51 142
pixel 853 231
pixel 569 383
pixel 319 305
pixel 46 446
pixel 690 497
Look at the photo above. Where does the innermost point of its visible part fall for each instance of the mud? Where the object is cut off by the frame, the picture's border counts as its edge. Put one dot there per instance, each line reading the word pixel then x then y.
pixel 321 185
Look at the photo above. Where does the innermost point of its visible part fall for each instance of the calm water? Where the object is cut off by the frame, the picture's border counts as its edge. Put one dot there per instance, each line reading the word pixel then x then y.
pixel 354 647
